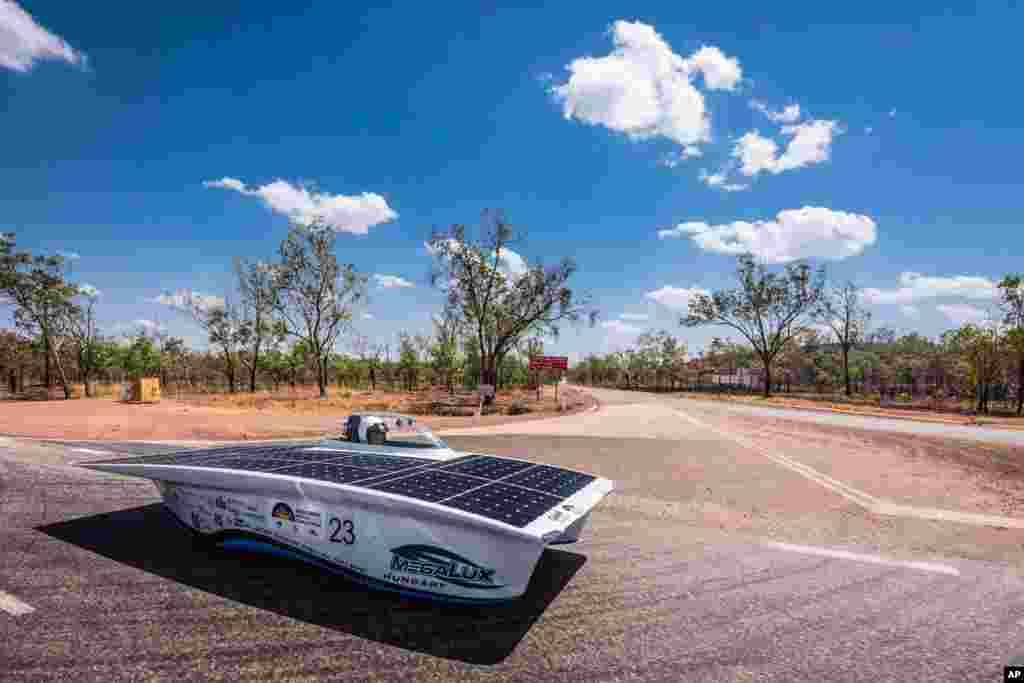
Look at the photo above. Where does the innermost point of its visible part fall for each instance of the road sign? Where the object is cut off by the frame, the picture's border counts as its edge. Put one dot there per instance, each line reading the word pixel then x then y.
pixel 556 362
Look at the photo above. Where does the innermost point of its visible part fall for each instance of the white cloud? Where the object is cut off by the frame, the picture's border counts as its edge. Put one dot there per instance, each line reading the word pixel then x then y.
pixel 911 311
pixel 790 114
pixel 810 143
pixel 68 255
pixel 186 298
pixel 634 316
pixel 720 182
pixel 675 298
pixel 892 113
pixel 23 41
pixel 353 214
pixel 227 184
pixel 961 314
pixel 688 152
pixel 367 316
pixel 619 327
pixel 88 290
pixel 511 263
pixel 720 72
pixel 392 281
pixel 644 89
pixel 810 232
pixel 149 325
pixel 915 287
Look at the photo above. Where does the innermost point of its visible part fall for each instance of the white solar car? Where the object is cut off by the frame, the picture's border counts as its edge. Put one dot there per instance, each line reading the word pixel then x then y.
pixel 388 504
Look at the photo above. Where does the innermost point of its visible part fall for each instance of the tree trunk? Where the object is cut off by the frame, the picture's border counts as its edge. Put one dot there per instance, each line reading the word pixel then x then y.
pixel 846 370
pixel 1020 383
pixel 321 376
pixel 767 377
pixel 47 378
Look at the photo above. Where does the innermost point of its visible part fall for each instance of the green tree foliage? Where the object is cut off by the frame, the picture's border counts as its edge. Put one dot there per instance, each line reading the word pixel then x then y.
pixel 42 300
pixel 979 348
pixel 140 358
pixel 1011 299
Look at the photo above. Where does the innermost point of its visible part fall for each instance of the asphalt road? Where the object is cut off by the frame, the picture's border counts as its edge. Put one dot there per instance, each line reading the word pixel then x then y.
pixel 708 563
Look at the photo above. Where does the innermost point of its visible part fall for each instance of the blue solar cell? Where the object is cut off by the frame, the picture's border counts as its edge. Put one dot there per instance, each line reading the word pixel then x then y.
pixel 505 503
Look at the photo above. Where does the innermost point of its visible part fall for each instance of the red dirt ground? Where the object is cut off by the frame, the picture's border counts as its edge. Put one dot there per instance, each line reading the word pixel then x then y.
pixel 103 418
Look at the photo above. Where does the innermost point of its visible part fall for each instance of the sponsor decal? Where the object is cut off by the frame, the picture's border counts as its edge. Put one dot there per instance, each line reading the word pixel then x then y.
pixel 440 564
pixel 307 517
pixel 283 512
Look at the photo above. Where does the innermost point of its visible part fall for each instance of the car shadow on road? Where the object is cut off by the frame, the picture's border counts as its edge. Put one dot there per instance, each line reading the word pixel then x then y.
pixel 147 538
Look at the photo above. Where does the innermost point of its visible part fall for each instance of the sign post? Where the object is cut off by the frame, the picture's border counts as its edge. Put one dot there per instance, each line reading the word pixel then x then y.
pixel 542 363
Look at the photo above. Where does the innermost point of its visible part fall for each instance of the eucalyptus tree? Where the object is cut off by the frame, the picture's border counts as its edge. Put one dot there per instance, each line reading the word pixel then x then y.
pixel 42 301
pixel 257 325
pixel 313 294
pixel 768 308
pixel 499 295
pixel 842 310
pixel 1011 295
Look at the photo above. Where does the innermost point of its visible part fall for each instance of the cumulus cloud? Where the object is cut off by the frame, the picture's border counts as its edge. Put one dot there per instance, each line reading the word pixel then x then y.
pixel 644 89
pixel 69 255
pixel 810 232
pixel 790 114
pixel 810 143
pixel 675 298
pixel 367 316
pixel 720 72
pixel 961 314
pixel 23 42
pixel 634 316
pixel 186 298
pixel 620 327
pixel 353 214
pixel 915 287
pixel 719 181
pixel 391 281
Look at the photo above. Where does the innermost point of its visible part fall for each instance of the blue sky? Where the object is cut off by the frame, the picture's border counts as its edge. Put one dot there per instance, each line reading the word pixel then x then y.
pixel 650 145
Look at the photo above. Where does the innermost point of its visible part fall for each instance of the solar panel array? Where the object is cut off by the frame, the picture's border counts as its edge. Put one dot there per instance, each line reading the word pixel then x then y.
pixel 510 491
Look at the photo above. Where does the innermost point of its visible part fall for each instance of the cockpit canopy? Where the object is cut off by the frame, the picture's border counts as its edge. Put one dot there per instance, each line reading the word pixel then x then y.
pixel 389 429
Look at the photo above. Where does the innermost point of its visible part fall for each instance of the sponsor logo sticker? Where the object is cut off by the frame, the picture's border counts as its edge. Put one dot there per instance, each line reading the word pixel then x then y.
pixel 440 565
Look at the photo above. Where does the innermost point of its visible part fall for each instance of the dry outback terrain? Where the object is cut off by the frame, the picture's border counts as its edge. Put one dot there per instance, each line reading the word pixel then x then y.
pixel 248 416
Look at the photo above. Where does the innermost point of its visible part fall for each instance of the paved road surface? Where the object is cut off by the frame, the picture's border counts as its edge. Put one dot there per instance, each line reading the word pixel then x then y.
pixel 709 563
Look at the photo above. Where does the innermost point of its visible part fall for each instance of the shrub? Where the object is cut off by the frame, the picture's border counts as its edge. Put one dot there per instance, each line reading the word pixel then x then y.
pixel 518 408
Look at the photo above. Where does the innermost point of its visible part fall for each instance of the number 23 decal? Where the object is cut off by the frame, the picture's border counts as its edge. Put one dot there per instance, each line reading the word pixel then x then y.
pixel 343 527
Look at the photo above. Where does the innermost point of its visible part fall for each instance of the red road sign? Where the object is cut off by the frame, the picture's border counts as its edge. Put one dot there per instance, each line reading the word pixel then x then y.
pixel 557 362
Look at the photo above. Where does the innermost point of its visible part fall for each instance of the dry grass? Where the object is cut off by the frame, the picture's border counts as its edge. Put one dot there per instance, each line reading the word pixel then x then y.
pixel 304 400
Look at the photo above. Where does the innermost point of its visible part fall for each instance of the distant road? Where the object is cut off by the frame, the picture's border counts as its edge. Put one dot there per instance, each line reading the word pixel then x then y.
pixel 902 426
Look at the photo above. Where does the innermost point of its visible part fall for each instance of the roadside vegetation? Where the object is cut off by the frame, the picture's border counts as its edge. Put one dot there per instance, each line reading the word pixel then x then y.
pixel 794 334
pixel 290 323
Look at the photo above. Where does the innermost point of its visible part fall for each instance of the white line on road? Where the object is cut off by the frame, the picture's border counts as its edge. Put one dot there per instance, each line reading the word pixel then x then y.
pixel 94 452
pixel 13 605
pixel 872 559
pixel 879 507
